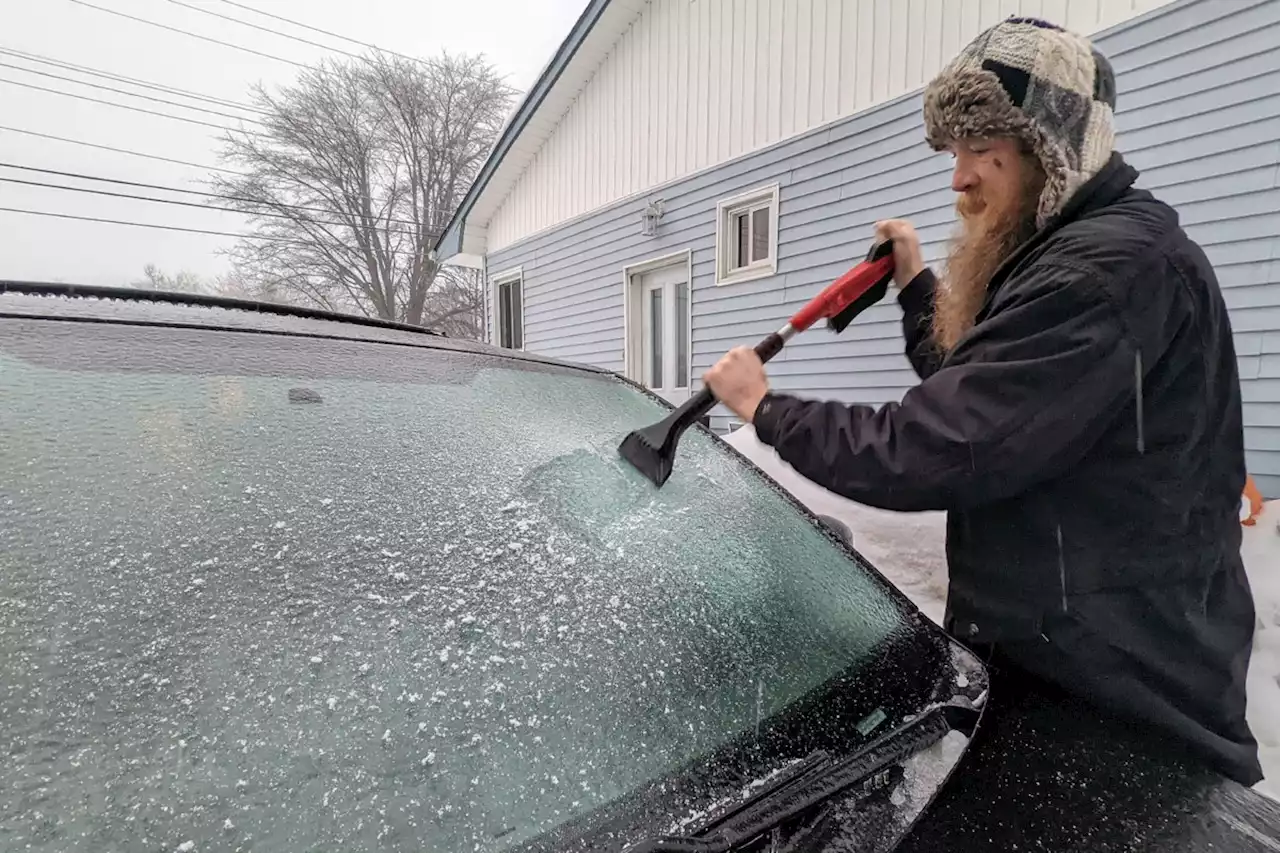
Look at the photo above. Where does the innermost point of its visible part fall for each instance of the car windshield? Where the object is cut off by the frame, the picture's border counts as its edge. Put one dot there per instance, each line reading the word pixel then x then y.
pixel 288 594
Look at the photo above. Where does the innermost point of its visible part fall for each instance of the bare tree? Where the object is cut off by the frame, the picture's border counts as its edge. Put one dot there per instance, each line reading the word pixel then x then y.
pixel 460 303
pixel 351 178
pixel 226 284
pixel 155 278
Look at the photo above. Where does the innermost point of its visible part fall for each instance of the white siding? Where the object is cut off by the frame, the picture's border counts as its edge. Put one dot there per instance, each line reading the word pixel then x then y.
pixel 694 83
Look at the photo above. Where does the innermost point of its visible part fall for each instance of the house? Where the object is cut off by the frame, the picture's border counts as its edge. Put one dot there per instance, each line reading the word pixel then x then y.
pixel 686 173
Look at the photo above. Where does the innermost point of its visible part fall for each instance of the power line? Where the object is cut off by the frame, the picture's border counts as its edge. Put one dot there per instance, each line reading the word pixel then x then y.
pixel 123 222
pixel 178 203
pixel 133 81
pixel 142 155
pixel 129 107
pixel 163 188
pixel 126 92
pixel 119 150
pixel 160 113
pixel 383 162
pixel 189 33
pixel 154 226
pixel 265 29
pixel 255 214
pixel 317 30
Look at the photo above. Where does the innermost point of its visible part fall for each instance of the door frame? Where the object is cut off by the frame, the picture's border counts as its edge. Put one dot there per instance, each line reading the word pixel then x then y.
pixel 633 311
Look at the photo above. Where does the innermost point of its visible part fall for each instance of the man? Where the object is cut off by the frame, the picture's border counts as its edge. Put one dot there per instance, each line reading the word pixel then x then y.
pixel 1079 410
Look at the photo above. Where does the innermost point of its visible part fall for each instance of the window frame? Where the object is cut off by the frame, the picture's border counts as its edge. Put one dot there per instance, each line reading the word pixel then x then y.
pixel 727 210
pixel 496 283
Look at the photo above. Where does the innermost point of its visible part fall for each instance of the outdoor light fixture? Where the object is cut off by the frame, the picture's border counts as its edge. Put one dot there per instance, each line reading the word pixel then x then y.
pixel 652 213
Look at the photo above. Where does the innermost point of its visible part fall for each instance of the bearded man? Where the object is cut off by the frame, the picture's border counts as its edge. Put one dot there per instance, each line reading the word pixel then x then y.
pixel 1078 414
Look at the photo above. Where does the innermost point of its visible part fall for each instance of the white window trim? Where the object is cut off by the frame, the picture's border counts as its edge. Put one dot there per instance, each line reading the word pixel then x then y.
pixel 506 277
pixel 630 354
pixel 725 210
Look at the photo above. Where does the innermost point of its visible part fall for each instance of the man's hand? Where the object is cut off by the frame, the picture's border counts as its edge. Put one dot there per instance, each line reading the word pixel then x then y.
pixel 738 380
pixel 908 261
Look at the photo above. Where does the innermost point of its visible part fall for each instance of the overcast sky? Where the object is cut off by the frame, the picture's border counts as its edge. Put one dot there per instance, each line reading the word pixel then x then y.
pixel 518 36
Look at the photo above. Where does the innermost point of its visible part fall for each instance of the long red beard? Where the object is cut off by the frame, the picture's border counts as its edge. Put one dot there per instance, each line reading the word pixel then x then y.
pixel 983 240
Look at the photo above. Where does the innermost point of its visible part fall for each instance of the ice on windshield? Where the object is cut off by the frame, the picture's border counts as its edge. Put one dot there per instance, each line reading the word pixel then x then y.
pixel 434 611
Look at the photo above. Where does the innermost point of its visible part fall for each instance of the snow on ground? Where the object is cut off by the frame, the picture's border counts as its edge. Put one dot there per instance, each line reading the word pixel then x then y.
pixel 1261 551
pixel 908 548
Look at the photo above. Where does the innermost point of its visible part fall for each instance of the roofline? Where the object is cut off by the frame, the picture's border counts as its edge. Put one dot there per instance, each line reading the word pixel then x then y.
pixel 450 242
pixel 170 297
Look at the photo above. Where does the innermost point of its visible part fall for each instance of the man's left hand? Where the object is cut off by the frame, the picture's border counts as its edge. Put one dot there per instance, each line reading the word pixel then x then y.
pixel 738 380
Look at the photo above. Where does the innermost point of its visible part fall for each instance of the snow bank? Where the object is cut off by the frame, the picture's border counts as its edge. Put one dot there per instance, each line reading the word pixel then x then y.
pixel 908 548
pixel 1261 551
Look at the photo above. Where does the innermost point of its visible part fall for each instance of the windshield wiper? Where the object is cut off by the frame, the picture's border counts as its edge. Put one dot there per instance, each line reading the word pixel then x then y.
pixel 816 779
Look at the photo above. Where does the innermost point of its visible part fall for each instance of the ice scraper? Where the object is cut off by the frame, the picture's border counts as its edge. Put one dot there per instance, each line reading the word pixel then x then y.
pixel 652 450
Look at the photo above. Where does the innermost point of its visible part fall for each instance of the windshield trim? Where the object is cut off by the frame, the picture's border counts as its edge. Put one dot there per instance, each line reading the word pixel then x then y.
pixel 436 344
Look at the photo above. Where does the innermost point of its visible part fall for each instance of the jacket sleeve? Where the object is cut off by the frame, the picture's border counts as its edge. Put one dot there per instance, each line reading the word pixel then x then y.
pixel 1022 397
pixel 916 300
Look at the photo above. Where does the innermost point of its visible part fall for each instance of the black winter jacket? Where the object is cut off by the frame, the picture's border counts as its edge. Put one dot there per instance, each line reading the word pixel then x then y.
pixel 1086 438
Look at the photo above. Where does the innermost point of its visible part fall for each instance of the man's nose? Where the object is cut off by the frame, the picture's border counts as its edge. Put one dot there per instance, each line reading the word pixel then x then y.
pixel 962 179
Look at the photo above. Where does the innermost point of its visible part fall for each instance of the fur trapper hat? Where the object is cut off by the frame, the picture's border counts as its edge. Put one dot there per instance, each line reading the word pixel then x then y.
pixel 1039 83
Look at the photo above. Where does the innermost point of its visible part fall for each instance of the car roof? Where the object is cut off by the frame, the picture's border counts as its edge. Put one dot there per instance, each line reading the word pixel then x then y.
pixel 135 306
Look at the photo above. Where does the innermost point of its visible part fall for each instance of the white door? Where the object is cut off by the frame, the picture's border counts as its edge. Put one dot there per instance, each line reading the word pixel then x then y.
pixel 663 331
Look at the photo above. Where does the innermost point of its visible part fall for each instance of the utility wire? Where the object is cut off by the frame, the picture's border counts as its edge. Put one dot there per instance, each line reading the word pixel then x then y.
pixel 210 39
pixel 131 108
pixel 130 153
pixel 250 214
pixel 240 234
pixel 126 92
pixel 123 222
pixel 133 81
pixel 118 150
pixel 265 29
pixel 388 163
pixel 317 30
pixel 163 188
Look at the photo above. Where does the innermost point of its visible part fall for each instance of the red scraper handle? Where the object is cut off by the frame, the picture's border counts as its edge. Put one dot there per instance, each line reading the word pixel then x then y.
pixel 847 289
pixel 652 450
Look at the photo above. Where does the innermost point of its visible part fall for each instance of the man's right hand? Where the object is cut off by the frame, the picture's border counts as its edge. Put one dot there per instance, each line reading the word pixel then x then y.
pixel 908 262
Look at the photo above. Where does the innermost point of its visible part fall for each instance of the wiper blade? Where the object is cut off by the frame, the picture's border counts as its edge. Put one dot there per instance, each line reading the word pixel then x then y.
pixel 818 778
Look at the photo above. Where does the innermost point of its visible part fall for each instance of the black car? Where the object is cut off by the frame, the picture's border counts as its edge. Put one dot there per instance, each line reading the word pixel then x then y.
pixel 278 580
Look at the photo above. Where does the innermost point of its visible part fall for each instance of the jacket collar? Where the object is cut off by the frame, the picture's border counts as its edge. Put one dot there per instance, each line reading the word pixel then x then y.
pixel 1103 189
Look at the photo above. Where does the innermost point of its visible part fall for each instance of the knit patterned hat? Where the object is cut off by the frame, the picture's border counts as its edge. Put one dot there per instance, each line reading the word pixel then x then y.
pixel 1037 82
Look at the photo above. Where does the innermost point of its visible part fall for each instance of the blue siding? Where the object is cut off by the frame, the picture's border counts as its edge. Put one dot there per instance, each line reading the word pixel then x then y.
pixel 1199 97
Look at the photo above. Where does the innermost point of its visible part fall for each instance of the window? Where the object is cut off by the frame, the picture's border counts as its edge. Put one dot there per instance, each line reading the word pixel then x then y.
pixel 747 236
pixel 508 292
pixel 682 335
pixel 674 317
pixel 654 339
